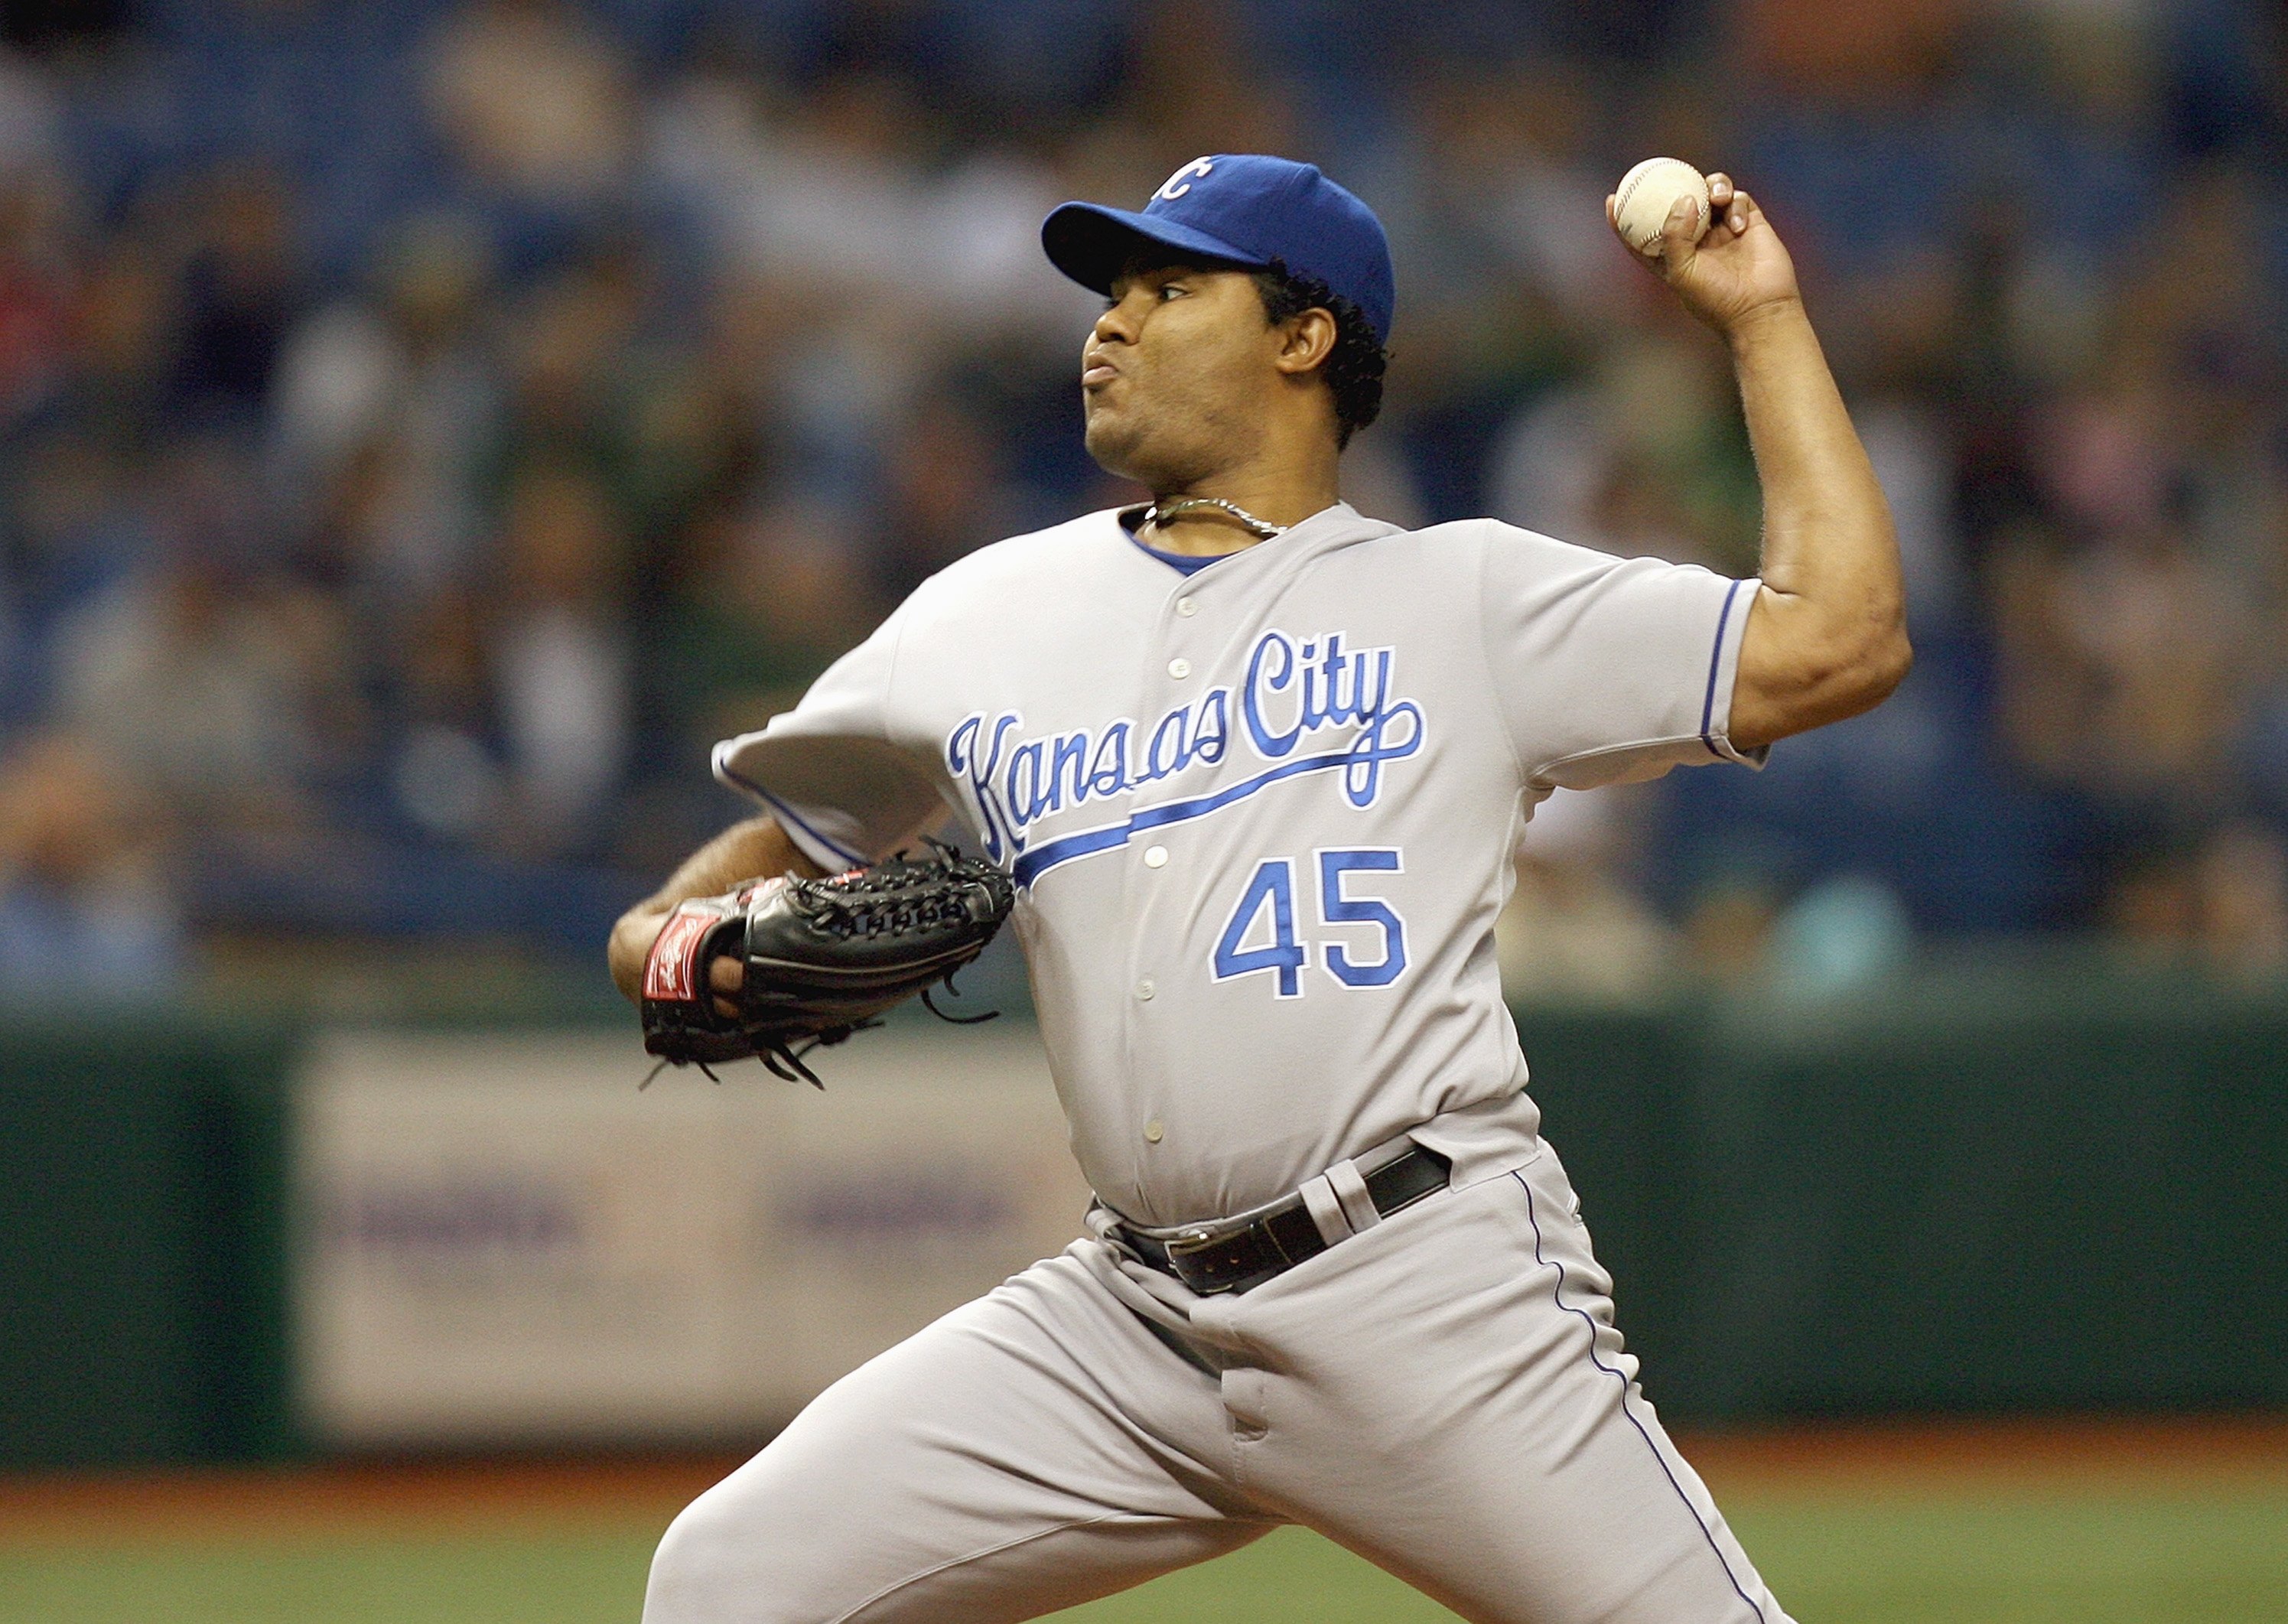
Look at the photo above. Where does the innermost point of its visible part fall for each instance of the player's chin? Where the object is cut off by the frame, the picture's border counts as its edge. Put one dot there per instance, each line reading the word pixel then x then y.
pixel 1114 439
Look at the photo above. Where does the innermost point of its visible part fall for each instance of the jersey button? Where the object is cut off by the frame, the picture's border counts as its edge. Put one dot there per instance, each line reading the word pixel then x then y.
pixel 1188 607
pixel 1156 857
pixel 1144 991
pixel 1179 669
pixel 1153 1131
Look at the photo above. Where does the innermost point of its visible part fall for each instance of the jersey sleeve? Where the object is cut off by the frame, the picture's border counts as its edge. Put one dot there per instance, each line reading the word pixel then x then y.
pixel 1609 670
pixel 844 785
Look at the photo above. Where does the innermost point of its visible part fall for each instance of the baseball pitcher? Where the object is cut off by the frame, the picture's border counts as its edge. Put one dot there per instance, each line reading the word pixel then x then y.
pixel 1249 767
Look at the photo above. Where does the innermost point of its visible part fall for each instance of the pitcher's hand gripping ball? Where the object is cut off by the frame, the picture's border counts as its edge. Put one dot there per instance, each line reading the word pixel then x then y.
pixel 822 958
pixel 1647 193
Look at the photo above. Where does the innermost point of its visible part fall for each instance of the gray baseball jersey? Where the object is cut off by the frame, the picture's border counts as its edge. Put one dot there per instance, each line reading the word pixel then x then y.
pixel 1260 813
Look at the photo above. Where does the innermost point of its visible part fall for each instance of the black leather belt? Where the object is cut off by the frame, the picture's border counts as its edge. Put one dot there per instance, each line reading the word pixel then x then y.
pixel 1210 1260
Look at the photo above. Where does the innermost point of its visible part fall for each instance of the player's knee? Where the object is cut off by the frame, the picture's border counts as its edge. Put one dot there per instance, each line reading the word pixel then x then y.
pixel 715 1565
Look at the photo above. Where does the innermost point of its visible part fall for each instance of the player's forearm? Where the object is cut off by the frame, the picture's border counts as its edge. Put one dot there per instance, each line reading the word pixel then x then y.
pixel 744 851
pixel 1827 637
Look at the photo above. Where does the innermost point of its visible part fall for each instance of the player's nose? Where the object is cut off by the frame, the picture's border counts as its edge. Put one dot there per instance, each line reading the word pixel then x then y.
pixel 1114 326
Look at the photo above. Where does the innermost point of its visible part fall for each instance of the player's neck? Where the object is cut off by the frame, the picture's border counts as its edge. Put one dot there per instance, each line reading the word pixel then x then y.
pixel 1283 494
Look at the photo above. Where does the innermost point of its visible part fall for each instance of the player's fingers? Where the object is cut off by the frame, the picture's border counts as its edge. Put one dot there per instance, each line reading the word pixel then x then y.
pixel 1738 211
pixel 1720 190
pixel 1679 233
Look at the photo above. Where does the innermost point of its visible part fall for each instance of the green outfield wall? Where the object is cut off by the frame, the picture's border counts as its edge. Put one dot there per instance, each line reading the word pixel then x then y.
pixel 1971 1196
pixel 143 1208
pixel 1975 1194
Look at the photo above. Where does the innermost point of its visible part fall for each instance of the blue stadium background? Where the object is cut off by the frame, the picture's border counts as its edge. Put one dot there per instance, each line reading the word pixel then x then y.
pixel 425 427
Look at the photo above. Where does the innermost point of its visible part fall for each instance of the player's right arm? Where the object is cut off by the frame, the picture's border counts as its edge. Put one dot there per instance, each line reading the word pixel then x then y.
pixel 1826 637
pixel 744 851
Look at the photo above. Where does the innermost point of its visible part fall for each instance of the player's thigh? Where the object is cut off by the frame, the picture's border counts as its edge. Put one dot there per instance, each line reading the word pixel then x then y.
pixel 1027 1452
pixel 1459 1409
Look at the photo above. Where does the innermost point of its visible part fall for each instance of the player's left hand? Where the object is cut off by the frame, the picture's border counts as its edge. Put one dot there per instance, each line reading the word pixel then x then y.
pixel 1737 268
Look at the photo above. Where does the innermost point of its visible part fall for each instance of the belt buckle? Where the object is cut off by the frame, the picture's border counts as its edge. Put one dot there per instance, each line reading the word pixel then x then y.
pixel 1199 1256
pixel 1190 1242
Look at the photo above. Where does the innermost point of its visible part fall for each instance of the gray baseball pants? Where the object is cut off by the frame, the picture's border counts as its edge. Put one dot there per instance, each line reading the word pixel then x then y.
pixel 1443 1393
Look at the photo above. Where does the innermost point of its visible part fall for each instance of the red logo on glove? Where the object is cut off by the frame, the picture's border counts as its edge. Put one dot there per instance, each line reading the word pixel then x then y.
pixel 672 969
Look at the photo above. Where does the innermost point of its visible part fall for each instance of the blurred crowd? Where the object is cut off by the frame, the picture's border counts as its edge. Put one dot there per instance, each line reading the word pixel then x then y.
pixel 425 429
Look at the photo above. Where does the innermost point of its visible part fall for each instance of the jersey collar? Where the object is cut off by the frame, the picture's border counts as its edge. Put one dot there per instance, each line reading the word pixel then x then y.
pixel 1305 535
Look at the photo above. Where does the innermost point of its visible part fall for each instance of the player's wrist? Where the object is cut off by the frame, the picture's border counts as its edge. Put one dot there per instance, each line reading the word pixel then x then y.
pixel 1744 328
pixel 629 947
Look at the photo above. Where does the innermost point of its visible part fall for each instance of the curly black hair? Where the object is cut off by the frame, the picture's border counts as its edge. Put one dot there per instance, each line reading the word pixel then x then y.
pixel 1355 367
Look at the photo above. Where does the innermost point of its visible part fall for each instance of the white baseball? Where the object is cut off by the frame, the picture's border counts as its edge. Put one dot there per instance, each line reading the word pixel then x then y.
pixel 1647 193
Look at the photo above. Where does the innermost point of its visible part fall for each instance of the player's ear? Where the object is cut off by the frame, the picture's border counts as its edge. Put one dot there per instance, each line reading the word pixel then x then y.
pixel 1307 340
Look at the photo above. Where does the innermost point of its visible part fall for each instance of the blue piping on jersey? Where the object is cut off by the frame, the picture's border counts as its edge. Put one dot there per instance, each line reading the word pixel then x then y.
pixel 786 813
pixel 1715 664
pixel 1030 865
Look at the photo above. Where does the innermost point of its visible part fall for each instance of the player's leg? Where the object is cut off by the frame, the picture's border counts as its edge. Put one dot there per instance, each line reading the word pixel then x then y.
pixel 1027 1452
pixel 1446 1394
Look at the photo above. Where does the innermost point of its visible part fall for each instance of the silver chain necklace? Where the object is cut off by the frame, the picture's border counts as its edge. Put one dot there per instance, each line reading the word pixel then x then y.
pixel 1262 529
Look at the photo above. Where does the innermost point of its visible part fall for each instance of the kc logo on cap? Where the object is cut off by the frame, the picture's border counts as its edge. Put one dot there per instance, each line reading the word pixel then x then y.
pixel 1180 182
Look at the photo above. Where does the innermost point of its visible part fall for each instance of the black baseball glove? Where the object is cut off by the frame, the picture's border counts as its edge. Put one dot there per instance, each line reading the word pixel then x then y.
pixel 823 956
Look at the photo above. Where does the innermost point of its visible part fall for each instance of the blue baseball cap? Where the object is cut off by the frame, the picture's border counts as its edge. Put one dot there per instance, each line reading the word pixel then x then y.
pixel 1244 209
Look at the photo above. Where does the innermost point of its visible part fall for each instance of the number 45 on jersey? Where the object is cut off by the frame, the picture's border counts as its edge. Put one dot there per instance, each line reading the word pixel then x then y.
pixel 1341 902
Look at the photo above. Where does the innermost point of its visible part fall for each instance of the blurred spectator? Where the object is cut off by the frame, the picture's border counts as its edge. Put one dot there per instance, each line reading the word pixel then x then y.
pixel 569 375
pixel 944 494
pixel 2242 885
pixel 1573 929
pixel 1845 933
pixel 126 332
pixel 534 101
pixel 76 519
pixel 1506 182
pixel 1912 451
pixel 2128 663
pixel 28 115
pixel 1854 47
pixel 836 198
pixel 35 290
pixel 222 688
pixel 1193 87
pixel 562 655
pixel 770 596
pixel 2221 904
pixel 404 380
pixel 1645 455
pixel 85 916
pixel 239 296
pixel 1728 929
pixel 445 772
